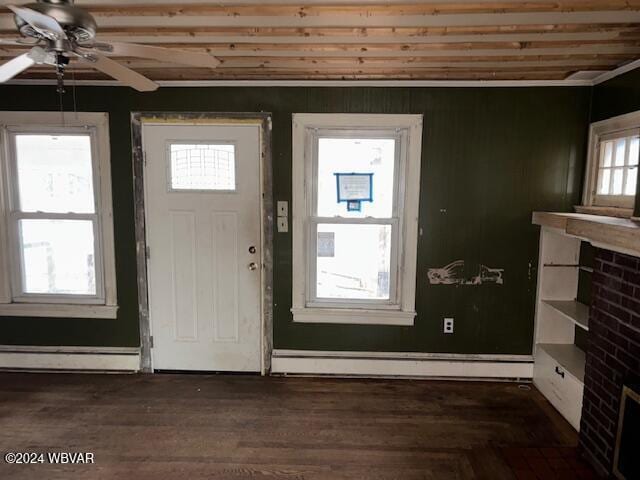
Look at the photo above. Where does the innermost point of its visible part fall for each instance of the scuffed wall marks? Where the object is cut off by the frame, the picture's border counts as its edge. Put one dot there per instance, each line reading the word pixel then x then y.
pixel 454 274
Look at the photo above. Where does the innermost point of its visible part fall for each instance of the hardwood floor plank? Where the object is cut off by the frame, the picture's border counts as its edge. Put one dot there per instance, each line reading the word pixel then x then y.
pixel 243 427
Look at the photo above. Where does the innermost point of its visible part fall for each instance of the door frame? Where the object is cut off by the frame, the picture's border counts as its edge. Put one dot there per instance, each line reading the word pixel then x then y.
pixel 261 119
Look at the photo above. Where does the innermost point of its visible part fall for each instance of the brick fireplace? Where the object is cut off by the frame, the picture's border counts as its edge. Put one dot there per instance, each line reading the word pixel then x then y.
pixel 613 353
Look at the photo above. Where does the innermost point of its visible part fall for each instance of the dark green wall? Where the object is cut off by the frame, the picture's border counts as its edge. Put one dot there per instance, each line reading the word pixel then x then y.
pixel 618 96
pixel 491 156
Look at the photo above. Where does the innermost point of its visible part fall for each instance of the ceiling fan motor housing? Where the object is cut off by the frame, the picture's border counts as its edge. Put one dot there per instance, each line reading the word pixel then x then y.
pixel 78 24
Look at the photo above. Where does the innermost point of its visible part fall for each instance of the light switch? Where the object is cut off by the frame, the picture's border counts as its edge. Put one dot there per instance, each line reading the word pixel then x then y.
pixel 283 208
pixel 283 224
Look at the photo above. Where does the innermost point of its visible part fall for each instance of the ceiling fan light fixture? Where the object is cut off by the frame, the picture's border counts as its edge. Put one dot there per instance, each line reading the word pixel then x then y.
pixel 73 22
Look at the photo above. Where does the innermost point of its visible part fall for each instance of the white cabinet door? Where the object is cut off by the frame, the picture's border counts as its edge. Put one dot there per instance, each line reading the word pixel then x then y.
pixel 561 388
pixel 202 193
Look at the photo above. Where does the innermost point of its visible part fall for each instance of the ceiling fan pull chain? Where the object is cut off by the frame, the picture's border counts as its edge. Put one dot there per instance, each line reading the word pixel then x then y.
pixel 73 91
pixel 61 108
pixel 60 89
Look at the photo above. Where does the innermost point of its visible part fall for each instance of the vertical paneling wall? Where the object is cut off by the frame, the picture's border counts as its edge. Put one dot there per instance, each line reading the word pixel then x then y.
pixel 490 157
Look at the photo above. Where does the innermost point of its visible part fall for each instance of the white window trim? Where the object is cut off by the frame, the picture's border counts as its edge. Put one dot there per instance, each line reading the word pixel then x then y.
pixel 599 131
pixel 62 306
pixel 403 312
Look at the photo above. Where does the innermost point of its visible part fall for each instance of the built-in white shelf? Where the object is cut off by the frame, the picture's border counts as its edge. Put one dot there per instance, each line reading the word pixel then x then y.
pixel 562 265
pixel 568 356
pixel 558 370
pixel 574 311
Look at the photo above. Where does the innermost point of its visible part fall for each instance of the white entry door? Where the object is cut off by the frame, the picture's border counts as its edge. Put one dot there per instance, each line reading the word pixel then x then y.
pixel 202 187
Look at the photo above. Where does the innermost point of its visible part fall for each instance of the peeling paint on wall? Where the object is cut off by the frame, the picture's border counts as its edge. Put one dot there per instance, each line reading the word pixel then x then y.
pixel 453 274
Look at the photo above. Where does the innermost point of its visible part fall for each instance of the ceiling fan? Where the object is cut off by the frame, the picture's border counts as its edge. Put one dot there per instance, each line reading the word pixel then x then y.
pixel 59 31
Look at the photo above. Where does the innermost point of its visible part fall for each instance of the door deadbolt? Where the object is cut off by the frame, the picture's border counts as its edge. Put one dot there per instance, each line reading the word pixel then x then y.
pixel 252 249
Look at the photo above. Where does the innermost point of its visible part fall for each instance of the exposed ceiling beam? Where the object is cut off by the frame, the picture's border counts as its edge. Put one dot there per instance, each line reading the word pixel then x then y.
pixel 304 9
pixel 362 20
pixel 195 39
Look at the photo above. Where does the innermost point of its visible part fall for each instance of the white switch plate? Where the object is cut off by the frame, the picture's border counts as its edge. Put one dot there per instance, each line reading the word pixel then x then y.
pixel 283 224
pixel 283 208
pixel 448 325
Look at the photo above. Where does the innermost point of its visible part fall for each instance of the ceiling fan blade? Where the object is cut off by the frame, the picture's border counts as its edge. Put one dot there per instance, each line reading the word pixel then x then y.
pixel 20 42
pixel 119 72
pixel 195 59
pixel 37 55
pixel 15 66
pixel 44 24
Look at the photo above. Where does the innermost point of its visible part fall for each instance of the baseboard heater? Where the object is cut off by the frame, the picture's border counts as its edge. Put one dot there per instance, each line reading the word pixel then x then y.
pixel 69 358
pixel 401 364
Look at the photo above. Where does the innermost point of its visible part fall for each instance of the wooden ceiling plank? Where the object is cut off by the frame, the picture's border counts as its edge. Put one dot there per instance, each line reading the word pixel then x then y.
pixel 358 63
pixel 364 20
pixel 422 8
pixel 155 73
pixel 419 58
pixel 400 50
pixel 406 46
pixel 157 38
pixel 368 31
pixel 391 76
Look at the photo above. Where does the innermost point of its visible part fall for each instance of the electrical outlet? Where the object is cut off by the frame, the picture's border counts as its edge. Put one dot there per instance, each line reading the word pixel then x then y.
pixel 282 208
pixel 283 224
pixel 448 325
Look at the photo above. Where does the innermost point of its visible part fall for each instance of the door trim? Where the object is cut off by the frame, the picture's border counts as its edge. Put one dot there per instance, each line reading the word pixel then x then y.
pixel 261 119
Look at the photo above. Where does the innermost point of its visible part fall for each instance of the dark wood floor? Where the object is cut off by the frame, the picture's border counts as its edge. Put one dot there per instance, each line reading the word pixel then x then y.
pixel 234 427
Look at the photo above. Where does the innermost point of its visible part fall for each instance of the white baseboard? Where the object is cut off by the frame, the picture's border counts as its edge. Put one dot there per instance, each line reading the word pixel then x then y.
pixel 96 359
pixel 390 364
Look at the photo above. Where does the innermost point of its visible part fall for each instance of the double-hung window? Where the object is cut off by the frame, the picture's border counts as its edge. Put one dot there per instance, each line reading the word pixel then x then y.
pixel 57 235
pixel 355 204
pixel 612 169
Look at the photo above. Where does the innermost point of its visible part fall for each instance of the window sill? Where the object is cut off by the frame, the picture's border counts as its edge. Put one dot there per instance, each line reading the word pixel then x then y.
pixel 618 212
pixel 58 310
pixel 353 316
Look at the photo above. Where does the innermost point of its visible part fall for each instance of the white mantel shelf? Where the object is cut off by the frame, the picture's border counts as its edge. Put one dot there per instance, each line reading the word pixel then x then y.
pixel 610 233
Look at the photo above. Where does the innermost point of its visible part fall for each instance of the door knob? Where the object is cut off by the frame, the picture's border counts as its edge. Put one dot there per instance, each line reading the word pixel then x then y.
pixel 253 266
pixel 252 249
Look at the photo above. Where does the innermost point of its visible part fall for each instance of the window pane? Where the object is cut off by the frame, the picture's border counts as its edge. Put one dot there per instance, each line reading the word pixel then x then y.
pixel 621 146
pixel 55 173
pixel 58 256
pixel 618 174
pixel 353 261
pixel 356 155
pixel 634 151
pixel 603 185
pixel 607 154
pixel 632 181
pixel 203 167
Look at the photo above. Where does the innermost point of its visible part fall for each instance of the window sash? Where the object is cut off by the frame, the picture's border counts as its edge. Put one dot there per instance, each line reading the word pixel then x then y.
pixel 395 221
pixel 14 193
pixel 365 133
pixel 628 167
pixel 622 126
pixel 393 302
pixel 18 275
